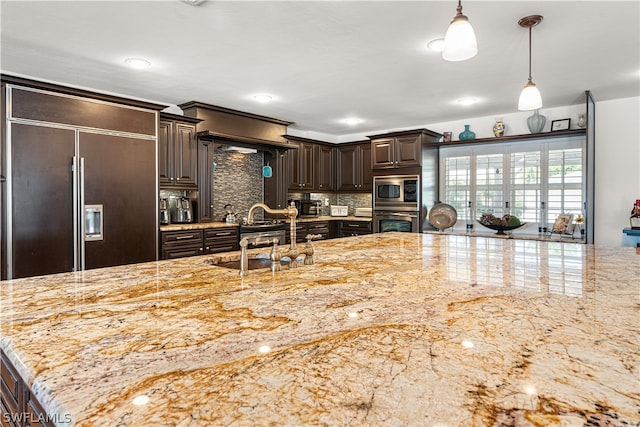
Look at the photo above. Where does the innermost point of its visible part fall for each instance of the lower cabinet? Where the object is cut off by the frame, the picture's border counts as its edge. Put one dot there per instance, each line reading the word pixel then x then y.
pixel 180 244
pixel 322 228
pixel 221 240
pixel 18 407
pixel 355 228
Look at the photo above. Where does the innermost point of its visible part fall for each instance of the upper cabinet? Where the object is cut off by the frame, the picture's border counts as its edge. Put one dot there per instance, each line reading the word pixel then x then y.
pixel 177 152
pixel 325 176
pixel 311 166
pixel 300 164
pixel 354 167
pixel 401 149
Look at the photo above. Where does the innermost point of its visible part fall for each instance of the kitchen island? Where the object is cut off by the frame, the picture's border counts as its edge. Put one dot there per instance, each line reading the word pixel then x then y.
pixel 384 329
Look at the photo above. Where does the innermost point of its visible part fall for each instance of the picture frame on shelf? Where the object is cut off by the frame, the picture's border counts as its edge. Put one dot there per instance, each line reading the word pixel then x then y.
pixel 562 224
pixel 561 124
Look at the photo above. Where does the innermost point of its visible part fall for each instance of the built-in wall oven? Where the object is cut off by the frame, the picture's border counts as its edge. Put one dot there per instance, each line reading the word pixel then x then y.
pixel 396 203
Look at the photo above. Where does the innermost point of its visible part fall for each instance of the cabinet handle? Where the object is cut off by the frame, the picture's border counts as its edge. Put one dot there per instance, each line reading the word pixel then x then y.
pixel 227 233
pixel 207 248
pixel 177 179
pixel 200 250
pixel 190 236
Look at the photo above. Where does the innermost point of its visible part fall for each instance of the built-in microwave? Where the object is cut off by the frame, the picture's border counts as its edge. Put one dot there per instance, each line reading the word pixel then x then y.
pixel 400 193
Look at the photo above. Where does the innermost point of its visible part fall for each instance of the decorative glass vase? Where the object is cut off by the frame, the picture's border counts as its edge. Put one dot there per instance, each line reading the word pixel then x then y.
pixel 498 128
pixel 466 134
pixel 536 122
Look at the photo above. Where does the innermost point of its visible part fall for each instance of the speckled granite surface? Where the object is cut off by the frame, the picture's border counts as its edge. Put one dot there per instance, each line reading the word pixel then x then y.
pixel 385 329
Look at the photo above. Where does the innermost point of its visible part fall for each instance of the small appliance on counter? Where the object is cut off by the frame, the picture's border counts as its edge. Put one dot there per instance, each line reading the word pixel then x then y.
pixel 339 210
pixel 368 212
pixel 164 212
pixel 307 207
pixel 183 212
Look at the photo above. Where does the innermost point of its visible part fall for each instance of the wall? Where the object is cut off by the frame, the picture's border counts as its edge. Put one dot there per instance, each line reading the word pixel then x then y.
pixel 617 180
pixel 237 180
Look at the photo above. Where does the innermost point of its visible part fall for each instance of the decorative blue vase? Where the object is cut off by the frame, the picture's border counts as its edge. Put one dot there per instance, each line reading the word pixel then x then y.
pixel 466 134
pixel 536 122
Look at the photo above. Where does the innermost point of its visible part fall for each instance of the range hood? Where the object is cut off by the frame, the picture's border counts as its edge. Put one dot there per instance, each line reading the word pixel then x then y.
pixel 243 141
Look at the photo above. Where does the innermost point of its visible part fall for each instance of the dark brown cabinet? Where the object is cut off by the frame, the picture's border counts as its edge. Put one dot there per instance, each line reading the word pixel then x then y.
pixel 388 153
pixel 314 227
pixel 186 243
pixel 206 161
pixel 18 407
pixel 401 149
pixel 275 187
pixel 325 176
pixel 224 239
pixel 177 151
pixel 355 228
pixel 300 164
pixel 180 244
pixel 354 167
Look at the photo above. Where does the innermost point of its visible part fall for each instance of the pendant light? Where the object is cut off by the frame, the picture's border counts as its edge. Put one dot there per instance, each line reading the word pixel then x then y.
pixel 460 40
pixel 530 98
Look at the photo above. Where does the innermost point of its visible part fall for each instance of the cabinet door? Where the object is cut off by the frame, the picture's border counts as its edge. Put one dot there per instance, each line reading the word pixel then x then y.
pixel 185 155
pixel 383 153
pixel 165 153
pixel 348 168
pixel 301 167
pixel 407 151
pixel 325 170
pixel 275 188
pixel 366 173
pixel 205 181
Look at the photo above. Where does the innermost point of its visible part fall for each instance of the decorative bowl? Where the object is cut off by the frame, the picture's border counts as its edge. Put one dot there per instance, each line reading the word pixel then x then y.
pixel 501 228
pixel 443 216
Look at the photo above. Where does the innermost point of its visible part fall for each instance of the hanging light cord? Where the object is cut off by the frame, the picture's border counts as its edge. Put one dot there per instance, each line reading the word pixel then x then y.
pixel 530 52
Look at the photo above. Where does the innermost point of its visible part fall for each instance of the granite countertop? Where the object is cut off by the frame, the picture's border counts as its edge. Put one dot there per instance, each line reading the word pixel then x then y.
pixel 218 224
pixel 384 329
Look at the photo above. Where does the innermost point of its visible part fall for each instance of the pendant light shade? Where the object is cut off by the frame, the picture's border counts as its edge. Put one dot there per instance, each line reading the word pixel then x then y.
pixel 530 98
pixel 460 39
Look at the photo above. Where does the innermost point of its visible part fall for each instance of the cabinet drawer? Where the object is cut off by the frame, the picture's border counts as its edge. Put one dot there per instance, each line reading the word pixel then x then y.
pixel 356 225
pixel 11 386
pixel 6 416
pixel 37 415
pixel 215 249
pixel 182 238
pixel 179 252
pixel 221 233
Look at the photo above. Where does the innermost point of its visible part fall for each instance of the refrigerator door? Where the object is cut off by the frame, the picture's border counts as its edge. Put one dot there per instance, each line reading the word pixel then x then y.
pixel 120 175
pixel 40 228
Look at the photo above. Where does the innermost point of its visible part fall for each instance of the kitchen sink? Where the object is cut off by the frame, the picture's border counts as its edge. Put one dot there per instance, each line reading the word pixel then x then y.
pixel 254 263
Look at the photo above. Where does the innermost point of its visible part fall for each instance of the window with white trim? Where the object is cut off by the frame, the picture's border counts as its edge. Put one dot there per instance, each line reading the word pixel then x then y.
pixel 534 180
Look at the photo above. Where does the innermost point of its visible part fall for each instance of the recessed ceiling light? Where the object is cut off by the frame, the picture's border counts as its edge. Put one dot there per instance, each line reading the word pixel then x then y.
pixel 262 97
pixel 352 121
pixel 467 101
pixel 436 45
pixel 194 2
pixel 137 63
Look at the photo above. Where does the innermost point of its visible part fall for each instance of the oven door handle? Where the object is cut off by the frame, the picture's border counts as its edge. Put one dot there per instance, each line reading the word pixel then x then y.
pixel 404 214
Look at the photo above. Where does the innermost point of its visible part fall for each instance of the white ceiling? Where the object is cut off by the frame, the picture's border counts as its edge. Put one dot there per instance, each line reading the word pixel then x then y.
pixel 323 61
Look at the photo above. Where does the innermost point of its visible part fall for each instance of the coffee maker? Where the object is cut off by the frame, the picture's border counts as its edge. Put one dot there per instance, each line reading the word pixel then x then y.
pixel 164 211
pixel 184 212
